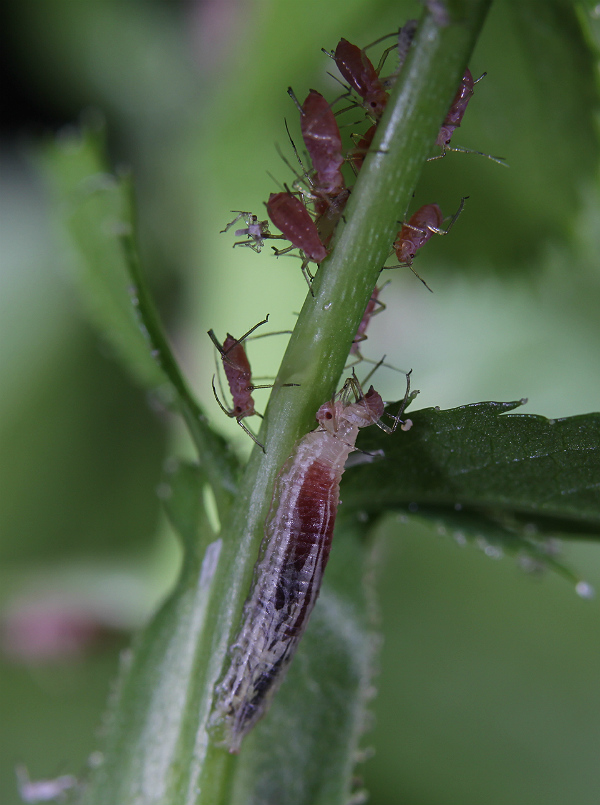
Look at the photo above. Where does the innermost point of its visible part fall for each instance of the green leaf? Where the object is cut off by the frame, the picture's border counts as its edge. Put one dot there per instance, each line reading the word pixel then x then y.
pixel 476 458
pixel 97 217
pixel 93 212
pixel 163 687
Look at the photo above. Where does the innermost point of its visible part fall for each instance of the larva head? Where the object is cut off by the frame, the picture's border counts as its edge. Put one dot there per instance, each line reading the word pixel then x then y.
pixel 329 414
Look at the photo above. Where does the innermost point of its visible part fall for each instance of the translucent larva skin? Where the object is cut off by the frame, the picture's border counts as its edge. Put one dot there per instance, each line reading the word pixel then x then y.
pixel 292 218
pixel 356 67
pixel 289 571
pixel 457 110
pixel 321 135
pixel 417 232
pixel 239 377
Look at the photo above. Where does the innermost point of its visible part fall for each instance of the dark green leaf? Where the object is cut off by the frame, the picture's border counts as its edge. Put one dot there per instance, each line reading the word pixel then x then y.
pixel 476 458
pixel 98 219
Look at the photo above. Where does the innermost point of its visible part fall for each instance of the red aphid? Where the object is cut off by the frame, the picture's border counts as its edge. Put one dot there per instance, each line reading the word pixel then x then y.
pixel 321 135
pixel 422 225
pixel 356 67
pixel 292 218
pixel 457 110
pixel 239 377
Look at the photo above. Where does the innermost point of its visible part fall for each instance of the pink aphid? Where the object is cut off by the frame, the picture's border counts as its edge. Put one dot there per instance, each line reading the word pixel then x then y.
pixel 415 234
pixel 457 110
pixel 321 135
pixel 239 377
pixel 292 559
pixel 356 67
pixel 292 218
pixel 370 310
pixel 425 222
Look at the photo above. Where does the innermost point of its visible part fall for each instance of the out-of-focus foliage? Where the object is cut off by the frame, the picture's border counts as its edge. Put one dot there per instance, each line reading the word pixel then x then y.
pixel 488 684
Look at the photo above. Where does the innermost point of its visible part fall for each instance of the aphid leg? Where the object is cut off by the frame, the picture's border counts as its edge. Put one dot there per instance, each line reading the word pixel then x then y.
pixel 251 435
pixel 245 215
pixel 419 277
pixel 452 220
pixel 238 419
pixel 307 276
pixel 408 398
pixel 459 149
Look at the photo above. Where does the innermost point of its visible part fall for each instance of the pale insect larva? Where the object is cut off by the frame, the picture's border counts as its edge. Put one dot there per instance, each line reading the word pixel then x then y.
pixel 292 559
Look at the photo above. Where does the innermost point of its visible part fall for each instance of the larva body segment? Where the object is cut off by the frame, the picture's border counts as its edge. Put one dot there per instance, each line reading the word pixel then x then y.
pixel 289 571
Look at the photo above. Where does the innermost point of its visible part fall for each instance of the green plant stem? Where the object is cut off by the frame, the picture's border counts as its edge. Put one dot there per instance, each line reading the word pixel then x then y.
pixel 328 321
pixel 158 745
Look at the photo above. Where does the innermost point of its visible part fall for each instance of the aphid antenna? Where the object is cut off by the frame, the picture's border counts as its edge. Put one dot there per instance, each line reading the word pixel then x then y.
pixel 459 149
pixel 373 370
pixel 418 276
pixel 271 176
pixel 292 95
pixel 453 219
pixel 285 159
pixel 238 419
pixel 274 332
pixel 219 346
pixel 481 77
pixel 360 358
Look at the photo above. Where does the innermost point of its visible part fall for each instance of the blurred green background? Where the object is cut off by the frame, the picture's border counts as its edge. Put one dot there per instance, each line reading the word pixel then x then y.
pixel 488 684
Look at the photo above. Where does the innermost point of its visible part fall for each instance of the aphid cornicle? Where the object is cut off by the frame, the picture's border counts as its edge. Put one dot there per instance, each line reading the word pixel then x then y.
pixel 292 559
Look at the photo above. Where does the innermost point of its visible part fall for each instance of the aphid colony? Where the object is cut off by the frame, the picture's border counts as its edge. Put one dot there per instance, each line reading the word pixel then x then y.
pixel 307 214
pixel 299 527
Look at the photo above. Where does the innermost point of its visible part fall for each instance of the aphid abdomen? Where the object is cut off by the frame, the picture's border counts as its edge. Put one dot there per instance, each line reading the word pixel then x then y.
pixel 239 377
pixel 292 218
pixel 457 110
pixel 415 234
pixel 323 142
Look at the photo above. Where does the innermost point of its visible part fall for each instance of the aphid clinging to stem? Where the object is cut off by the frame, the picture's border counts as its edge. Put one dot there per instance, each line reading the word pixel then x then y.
pixel 239 377
pixel 424 223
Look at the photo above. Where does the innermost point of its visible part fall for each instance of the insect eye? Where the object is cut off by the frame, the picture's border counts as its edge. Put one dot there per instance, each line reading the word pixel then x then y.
pixel 328 415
